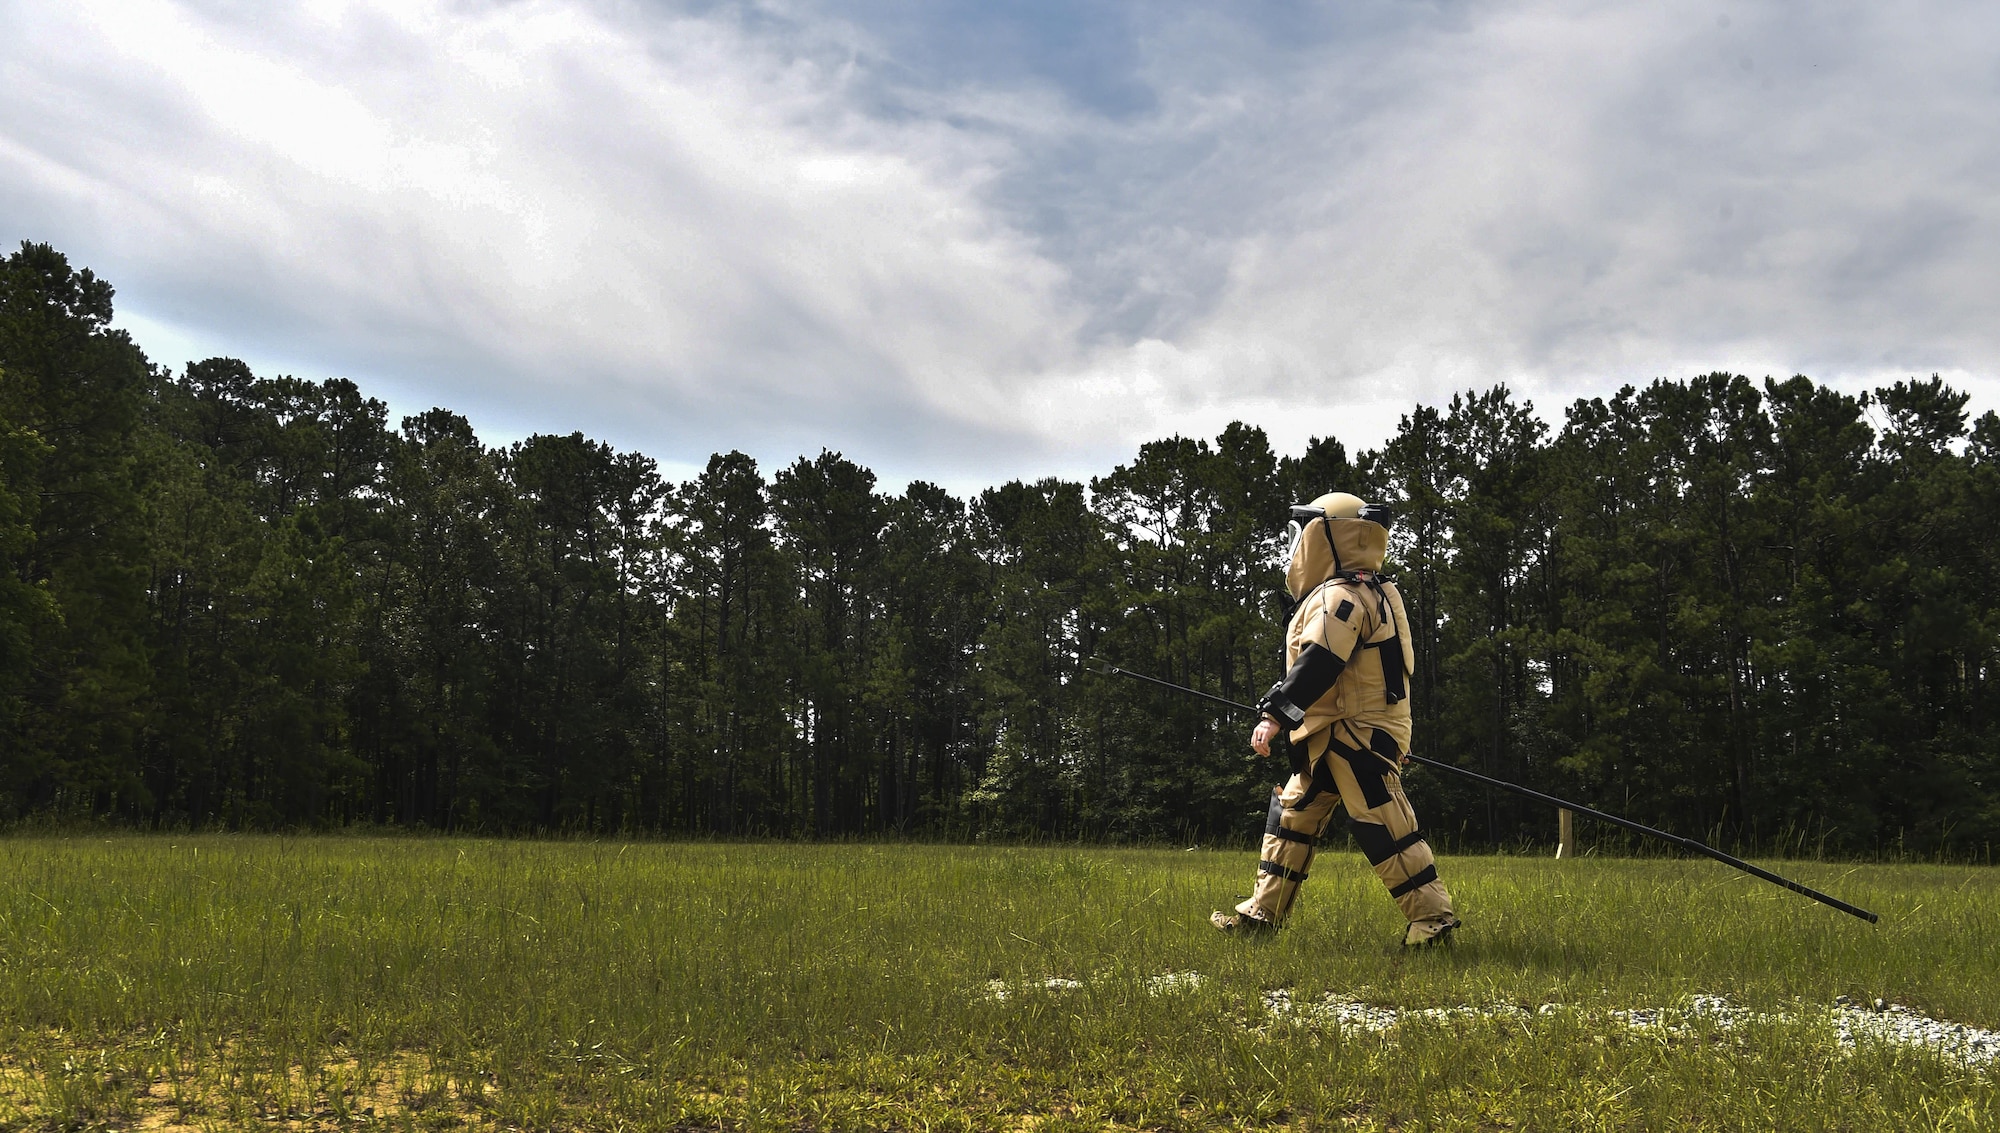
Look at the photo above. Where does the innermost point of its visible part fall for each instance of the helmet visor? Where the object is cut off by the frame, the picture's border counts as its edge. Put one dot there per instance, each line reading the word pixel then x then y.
pixel 1302 514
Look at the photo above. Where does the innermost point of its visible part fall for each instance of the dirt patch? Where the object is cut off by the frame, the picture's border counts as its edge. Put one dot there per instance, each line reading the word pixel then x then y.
pixel 128 1090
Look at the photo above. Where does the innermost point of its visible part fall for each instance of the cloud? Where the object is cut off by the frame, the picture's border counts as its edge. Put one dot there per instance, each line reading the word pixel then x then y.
pixel 1569 196
pixel 681 228
pixel 965 242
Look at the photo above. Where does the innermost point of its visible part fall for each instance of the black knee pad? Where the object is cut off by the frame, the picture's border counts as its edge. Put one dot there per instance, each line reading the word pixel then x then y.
pixel 1376 844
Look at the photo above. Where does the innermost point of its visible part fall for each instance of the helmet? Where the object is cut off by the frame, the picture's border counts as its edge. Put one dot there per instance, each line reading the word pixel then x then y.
pixel 1335 505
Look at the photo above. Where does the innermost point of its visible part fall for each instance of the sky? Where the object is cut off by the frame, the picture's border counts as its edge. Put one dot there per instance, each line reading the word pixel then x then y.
pixel 969 241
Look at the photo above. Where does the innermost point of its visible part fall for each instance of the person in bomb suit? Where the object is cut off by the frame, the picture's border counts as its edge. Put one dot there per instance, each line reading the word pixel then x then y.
pixel 1345 702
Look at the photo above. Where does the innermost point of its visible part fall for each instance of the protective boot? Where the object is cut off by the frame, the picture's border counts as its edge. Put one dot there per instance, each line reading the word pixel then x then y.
pixel 1434 933
pixel 1241 924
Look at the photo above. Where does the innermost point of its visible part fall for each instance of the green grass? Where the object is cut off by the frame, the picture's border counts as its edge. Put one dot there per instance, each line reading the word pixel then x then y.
pixel 223 982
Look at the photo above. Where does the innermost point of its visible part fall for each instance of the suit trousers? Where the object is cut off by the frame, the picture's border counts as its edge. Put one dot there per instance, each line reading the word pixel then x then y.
pixel 1355 767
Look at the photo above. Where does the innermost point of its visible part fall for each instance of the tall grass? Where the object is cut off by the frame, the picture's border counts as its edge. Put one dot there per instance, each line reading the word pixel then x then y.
pixel 230 980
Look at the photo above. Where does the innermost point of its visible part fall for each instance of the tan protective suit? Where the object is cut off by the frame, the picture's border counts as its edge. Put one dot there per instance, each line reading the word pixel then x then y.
pixel 1355 735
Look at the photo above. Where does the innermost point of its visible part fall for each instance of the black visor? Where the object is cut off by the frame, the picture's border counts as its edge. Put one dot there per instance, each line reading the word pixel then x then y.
pixel 1373 513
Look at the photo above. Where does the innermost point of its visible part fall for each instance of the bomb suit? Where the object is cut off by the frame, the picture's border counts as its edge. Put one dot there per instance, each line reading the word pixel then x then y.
pixel 1345 703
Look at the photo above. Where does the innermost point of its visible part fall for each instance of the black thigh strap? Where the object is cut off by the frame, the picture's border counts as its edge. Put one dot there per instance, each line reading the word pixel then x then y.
pixel 1274 825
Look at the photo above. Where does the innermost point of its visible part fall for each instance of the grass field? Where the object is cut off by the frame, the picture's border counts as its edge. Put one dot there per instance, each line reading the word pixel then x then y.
pixel 225 982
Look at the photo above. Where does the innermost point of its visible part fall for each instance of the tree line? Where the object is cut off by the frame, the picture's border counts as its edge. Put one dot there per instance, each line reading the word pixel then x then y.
pixel 1760 611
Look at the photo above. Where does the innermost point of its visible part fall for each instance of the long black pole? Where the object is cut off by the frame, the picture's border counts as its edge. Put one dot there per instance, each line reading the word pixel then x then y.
pixel 1684 843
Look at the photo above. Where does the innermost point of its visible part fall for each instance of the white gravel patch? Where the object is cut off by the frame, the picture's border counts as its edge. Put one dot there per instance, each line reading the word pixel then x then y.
pixel 1897 1024
pixel 1355 1014
pixel 1852 1023
pixel 1166 983
pixel 999 991
pixel 1174 981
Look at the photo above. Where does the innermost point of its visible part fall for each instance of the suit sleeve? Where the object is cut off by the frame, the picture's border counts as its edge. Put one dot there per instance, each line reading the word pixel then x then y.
pixel 1329 643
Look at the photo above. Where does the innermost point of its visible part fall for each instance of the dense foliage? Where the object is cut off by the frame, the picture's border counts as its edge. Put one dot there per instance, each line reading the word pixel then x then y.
pixel 1761 610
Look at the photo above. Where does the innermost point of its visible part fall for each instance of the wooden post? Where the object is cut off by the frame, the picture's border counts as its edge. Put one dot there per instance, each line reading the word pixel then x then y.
pixel 1565 834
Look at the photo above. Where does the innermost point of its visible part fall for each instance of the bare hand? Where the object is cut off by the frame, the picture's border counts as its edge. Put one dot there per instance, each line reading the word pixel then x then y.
pixel 1260 740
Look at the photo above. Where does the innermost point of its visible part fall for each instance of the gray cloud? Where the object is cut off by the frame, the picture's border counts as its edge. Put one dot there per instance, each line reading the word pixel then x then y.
pixel 965 244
